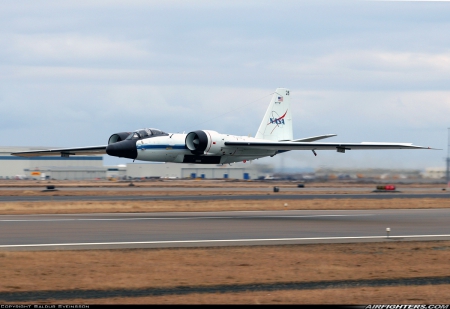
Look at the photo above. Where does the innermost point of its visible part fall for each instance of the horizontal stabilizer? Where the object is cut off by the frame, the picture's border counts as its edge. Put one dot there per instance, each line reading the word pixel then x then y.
pixel 313 138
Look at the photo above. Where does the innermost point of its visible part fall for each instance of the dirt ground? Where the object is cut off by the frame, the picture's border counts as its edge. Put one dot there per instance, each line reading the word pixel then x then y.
pixel 229 266
pixel 213 188
pixel 187 267
pixel 205 183
pixel 198 187
pixel 10 208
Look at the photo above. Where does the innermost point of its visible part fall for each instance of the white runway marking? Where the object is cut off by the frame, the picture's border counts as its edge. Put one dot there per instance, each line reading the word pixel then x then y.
pixel 219 240
pixel 175 218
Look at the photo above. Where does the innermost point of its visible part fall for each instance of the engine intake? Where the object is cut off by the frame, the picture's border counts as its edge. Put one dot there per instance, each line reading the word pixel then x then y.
pixel 196 142
pixel 118 137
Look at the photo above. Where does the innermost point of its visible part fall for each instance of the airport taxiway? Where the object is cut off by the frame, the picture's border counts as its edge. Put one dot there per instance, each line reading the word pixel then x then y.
pixel 201 197
pixel 178 189
pixel 198 229
pixel 263 189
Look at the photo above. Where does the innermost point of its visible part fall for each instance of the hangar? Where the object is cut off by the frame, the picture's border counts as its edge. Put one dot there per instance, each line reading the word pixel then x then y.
pixel 81 167
pixel 91 167
pixel 211 171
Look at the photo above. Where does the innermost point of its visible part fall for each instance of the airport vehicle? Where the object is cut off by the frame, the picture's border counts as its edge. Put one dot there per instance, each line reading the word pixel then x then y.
pixel 274 135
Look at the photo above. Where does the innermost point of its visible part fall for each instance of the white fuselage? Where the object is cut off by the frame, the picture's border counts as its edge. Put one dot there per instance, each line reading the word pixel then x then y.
pixel 173 148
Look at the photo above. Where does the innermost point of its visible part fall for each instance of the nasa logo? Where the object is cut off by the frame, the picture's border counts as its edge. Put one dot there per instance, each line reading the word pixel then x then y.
pixel 276 119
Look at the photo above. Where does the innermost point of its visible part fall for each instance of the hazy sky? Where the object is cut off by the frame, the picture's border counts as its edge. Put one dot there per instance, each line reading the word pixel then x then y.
pixel 74 72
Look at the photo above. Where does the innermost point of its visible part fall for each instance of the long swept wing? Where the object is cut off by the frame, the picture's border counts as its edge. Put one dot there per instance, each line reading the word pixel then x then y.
pixel 63 152
pixel 340 147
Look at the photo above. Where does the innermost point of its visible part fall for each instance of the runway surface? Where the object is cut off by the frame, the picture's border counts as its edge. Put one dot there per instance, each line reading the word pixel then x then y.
pixel 199 229
pixel 268 189
pixel 267 196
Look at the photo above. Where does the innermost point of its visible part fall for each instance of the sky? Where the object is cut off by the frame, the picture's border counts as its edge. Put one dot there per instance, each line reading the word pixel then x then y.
pixel 74 72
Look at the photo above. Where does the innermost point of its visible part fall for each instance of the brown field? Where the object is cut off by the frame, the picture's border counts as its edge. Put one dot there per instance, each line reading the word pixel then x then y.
pixel 204 183
pixel 207 184
pixel 185 267
pixel 10 208
pixel 164 268
pixel 214 187
pixel 194 187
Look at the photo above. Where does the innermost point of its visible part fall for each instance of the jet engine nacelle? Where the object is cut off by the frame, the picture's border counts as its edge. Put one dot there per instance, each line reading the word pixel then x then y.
pixel 205 142
pixel 118 137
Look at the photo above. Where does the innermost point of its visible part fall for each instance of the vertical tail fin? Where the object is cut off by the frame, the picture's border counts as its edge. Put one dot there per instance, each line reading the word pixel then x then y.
pixel 277 122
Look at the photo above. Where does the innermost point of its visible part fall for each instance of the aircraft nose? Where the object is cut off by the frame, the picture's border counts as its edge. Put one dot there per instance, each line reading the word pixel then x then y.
pixel 123 149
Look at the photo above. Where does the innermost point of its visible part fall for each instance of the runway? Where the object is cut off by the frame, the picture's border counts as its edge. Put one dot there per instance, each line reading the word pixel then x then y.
pixel 202 229
pixel 264 189
pixel 267 196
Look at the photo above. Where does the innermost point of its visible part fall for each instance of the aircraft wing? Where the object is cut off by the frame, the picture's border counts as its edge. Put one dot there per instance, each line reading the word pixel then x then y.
pixel 340 147
pixel 63 152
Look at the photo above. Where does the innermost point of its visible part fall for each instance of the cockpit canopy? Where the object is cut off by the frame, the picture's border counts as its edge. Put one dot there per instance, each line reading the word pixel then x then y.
pixel 145 133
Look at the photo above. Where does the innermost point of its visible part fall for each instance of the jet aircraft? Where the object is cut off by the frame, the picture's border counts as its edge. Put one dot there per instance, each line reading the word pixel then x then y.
pixel 274 135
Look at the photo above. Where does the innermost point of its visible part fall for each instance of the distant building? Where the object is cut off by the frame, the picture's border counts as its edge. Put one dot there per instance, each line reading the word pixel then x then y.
pixel 116 172
pixel 91 167
pixel 434 173
pixel 368 173
pixel 211 171
pixel 76 167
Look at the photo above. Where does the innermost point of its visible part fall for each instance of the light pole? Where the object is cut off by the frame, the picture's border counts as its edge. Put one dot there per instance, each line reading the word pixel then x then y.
pixel 447 171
